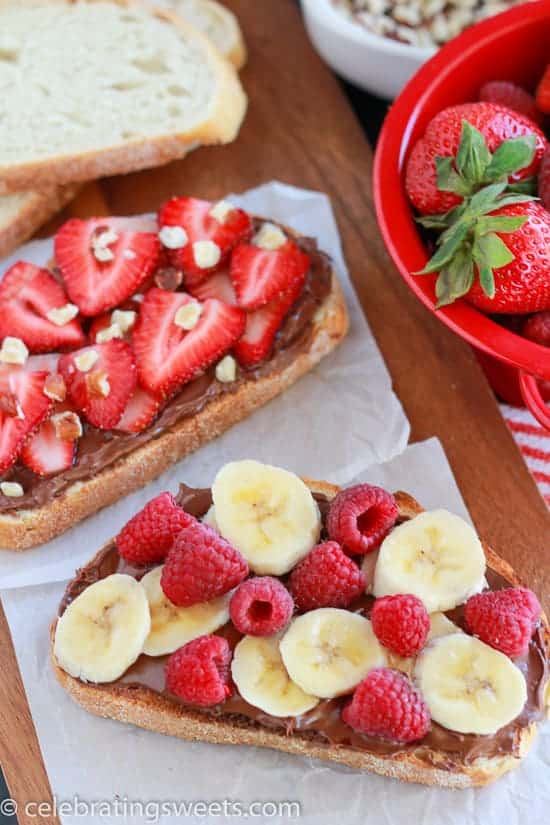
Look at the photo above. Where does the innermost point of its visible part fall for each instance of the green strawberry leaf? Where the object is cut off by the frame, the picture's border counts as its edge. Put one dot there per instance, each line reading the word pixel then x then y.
pixel 486 200
pixel 494 251
pixel 510 157
pixel 499 223
pixel 450 241
pixel 527 186
pixel 486 279
pixel 512 200
pixel 434 221
pixel 448 179
pixel 473 156
pixel 455 279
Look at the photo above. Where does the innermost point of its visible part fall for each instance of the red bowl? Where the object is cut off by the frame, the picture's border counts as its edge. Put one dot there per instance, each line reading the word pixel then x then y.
pixel 514 46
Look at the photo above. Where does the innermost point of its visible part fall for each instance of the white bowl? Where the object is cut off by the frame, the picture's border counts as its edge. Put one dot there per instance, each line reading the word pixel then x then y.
pixel 376 64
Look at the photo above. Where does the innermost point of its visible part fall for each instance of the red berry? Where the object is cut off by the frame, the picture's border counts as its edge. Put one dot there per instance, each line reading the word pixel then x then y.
pixel 401 623
pixel 140 411
pixel 512 96
pixel 543 92
pixel 149 535
pixel 326 578
pixel 23 407
pixel 27 295
pixel 199 671
pixel 167 355
pixel 195 218
pixel 504 619
pixel 261 606
pixel 95 285
pixel 46 452
pixel 387 705
pixel 263 275
pixel 102 389
pixel 442 138
pixel 544 179
pixel 201 566
pixel 361 517
pixel 537 328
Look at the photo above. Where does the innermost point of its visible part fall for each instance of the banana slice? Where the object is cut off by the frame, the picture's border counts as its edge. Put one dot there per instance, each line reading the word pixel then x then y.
pixel 102 632
pixel 267 513
pixel 436 556
pixel 262 679
pixel 209 518
pixel 172 626
pixel 469 687
pixel 327 652
pixel 440 625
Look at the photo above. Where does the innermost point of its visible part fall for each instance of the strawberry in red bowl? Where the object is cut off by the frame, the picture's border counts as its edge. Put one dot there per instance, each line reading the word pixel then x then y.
pixel 457 174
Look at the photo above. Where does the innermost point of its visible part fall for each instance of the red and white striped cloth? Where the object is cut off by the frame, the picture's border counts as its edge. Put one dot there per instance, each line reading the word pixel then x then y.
pixel 534 443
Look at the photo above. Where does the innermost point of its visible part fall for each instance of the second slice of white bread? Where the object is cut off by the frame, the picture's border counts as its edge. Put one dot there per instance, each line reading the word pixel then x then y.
pixel 100 87
pixel 216 22
pixel 22 213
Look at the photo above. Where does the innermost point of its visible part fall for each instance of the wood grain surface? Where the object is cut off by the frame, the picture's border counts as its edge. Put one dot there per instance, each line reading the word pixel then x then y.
pixel 301 130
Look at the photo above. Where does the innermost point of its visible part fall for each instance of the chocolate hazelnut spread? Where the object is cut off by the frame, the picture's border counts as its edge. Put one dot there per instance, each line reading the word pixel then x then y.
pixel 98 449
pixel 447 749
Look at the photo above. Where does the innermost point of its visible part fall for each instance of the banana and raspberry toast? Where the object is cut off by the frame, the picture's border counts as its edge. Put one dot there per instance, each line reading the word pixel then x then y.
pixel 347 625
pixel 143 340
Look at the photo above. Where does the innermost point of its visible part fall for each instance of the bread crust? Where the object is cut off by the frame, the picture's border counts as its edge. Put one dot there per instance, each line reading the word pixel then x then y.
pixel 22 529
pixel 227 113
pixel 39 208
pixel 150 710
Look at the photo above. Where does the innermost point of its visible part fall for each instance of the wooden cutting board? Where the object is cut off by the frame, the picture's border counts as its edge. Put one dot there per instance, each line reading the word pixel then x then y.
pixel 300 129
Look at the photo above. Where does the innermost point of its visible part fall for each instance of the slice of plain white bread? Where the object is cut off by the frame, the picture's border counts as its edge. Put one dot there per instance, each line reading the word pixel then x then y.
pixel 22 213
pixel 21 529
pixel 100 87
pixel 216 22
pixel 138 705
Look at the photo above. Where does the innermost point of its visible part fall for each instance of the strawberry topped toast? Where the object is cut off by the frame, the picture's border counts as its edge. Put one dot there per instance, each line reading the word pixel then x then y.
pixel 143 340
pixel 343 624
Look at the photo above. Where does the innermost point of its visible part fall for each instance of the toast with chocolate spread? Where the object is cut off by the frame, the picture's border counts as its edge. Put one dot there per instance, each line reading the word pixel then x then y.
pixel 305 634
pixel 143 341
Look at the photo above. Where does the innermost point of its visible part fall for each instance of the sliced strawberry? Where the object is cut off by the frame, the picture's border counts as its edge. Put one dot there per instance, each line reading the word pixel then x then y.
pixel 168 356
pixel 44 453
pixel 194 217
pixel 216 286
pixel 260 275
pixel 23 406
pixel 27 295
pixel 140 411
pixel 37 363
pixel 96 285
pixel 261 327
pixel 102 390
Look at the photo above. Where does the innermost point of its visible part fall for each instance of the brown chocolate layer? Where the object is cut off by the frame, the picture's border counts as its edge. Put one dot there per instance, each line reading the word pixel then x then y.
pixel 97 449
pixel 323 723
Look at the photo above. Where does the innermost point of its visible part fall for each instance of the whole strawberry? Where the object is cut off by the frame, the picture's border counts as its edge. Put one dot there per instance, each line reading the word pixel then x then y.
pixel 495 252
pixel 443 167
pixel 543 92
pixel 543 180
pixel 514 97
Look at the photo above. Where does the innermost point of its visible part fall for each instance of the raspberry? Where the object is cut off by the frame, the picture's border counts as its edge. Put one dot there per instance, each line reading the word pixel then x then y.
pixel 326 578
pixel 512 96
pixel 504 619
pixel 544 179
pixel 361 517
pixel 261 606
pixel 201 566
pixel 387 705
pixel 401 623
pixel 149 535
pixel 199 671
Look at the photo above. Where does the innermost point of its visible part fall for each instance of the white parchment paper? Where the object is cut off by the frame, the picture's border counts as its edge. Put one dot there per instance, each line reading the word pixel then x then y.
pixel 337 420
pixel 99 759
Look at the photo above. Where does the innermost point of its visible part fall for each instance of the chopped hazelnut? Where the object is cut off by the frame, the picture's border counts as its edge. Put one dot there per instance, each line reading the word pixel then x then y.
pixel 13 351
pixel 62 315
pixel 67 425
pixel 98 384
pixel 54 387
pixel 206 254
pixel 107 334
pixel 85 361
pixel 221 210
pixel 187 316
pixel 226 370
pixel 11 489
pixel 269 237
pixel 124 319
pixel 173 237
